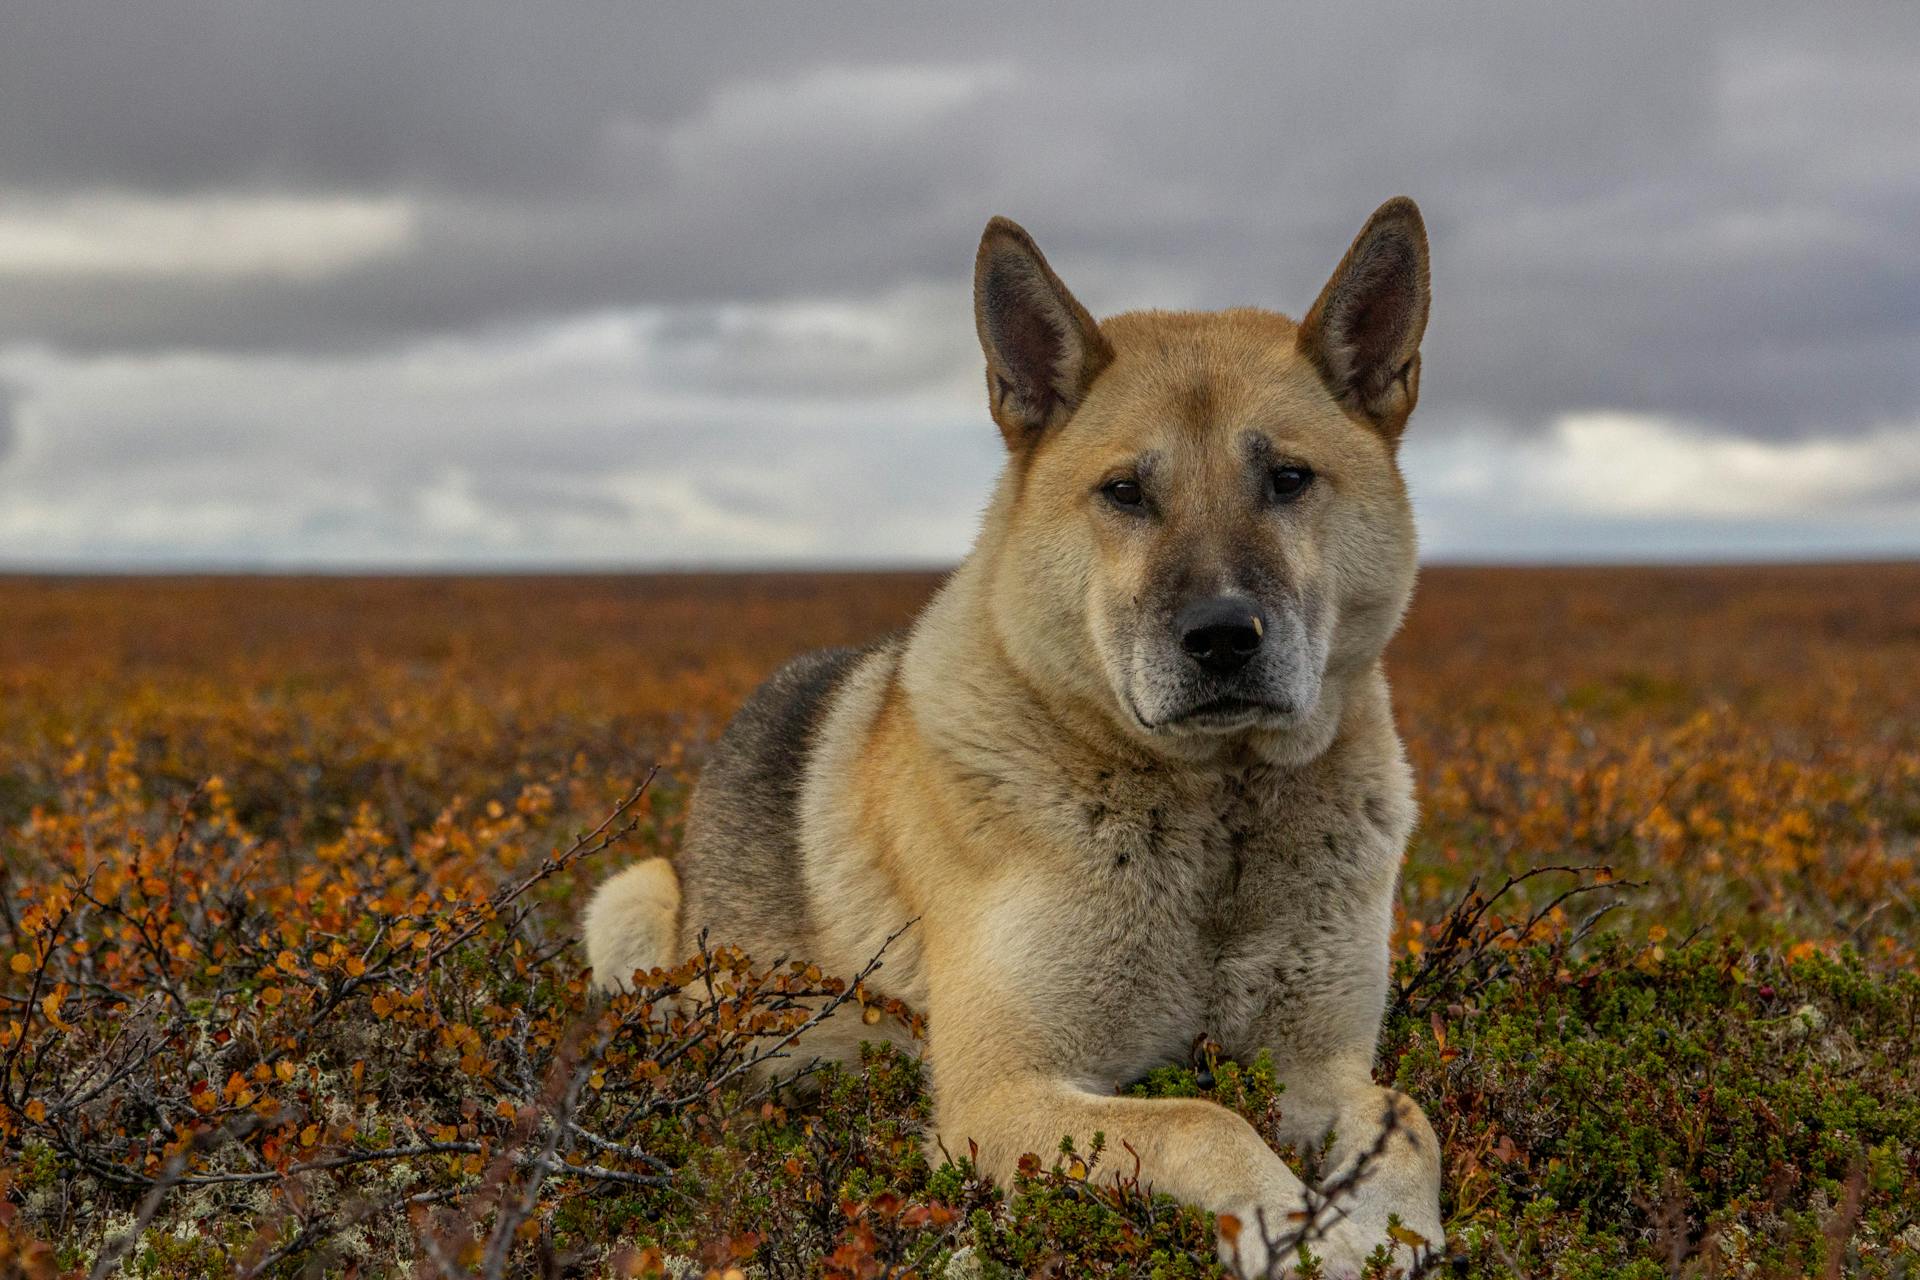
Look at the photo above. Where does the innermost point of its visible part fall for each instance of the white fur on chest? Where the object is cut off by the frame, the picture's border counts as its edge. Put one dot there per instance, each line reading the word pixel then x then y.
pixel 1252 907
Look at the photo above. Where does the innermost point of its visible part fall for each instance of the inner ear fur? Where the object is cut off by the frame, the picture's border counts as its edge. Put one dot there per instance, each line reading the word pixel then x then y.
pixel 1043 349
pixel 1364 331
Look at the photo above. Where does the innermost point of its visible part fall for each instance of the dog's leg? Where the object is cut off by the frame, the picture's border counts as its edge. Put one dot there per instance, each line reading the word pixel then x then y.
pixel 1011 1075
pixel 836 1041
pixel 1188 1148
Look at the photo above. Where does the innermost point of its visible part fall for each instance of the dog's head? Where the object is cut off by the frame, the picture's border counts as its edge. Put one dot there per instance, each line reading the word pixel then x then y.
pixel 1203 525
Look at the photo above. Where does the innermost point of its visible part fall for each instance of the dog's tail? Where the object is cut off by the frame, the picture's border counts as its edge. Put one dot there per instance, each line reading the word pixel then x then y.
pixel 633 923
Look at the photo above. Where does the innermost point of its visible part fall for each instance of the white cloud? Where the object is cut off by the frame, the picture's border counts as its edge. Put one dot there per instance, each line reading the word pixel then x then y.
pixel 221 237
pixel 1605 484
pixel 844 106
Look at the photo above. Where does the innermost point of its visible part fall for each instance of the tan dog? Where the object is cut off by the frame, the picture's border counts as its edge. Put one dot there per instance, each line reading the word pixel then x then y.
pixel 1134 769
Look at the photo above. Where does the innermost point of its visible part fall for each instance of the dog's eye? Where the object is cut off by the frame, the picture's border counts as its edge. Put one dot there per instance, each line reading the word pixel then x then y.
pixel 1289 483
pixel 1123 493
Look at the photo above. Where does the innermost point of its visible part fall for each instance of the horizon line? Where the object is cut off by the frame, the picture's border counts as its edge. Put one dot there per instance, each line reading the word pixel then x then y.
pixel 668 569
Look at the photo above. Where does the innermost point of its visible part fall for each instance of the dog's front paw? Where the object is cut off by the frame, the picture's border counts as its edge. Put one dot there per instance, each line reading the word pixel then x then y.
pixel 1268 1246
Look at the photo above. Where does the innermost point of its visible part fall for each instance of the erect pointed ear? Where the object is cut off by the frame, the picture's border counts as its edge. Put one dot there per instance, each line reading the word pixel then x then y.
pixel 1364 332
pixel 1043 349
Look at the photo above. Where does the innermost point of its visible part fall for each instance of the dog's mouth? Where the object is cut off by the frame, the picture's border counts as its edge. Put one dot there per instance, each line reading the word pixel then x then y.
pixel 1226 714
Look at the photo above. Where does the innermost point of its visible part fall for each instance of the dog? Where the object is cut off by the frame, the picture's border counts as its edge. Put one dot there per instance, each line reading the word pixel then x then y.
pixel 1133 771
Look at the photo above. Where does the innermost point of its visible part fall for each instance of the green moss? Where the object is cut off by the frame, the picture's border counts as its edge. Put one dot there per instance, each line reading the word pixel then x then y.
pixel 1639 1106
pixel 163 1257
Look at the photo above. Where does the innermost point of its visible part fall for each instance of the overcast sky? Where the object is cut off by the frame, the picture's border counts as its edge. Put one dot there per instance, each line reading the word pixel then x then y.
pixel 398 284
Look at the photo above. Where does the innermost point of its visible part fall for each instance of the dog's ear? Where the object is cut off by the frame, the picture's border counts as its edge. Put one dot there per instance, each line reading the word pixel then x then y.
pixel 1363 333
pixel 1043 349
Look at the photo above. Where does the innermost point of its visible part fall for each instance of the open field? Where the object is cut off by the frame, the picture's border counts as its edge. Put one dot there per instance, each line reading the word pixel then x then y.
pixel 291 867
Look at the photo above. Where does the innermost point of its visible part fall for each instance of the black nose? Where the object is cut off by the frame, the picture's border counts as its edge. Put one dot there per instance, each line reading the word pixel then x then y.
pixel 1222 634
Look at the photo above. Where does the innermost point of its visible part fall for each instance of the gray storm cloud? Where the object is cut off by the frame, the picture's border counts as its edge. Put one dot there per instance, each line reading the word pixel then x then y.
pixel 9 430
pixel 433 283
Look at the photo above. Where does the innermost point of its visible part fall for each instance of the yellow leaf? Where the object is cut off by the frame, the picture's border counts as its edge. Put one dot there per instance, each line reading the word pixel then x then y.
pixel 1407 1236
pixel 36 1111
pixel 22 962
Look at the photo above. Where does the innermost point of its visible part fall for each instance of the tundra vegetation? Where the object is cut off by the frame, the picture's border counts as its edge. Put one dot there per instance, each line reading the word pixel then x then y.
pixel 291 872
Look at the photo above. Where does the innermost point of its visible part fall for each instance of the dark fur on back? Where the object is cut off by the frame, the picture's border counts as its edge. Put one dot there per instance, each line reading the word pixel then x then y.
pixel 739 872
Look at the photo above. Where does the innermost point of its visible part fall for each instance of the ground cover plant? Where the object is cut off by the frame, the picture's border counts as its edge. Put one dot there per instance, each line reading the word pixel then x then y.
pixel 291 869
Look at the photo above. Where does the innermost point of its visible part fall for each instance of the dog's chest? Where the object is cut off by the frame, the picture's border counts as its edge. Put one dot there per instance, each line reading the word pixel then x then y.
pixel 1246 906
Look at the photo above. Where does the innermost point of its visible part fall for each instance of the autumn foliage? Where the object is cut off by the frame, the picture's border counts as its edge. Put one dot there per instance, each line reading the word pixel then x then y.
pixel 292 869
